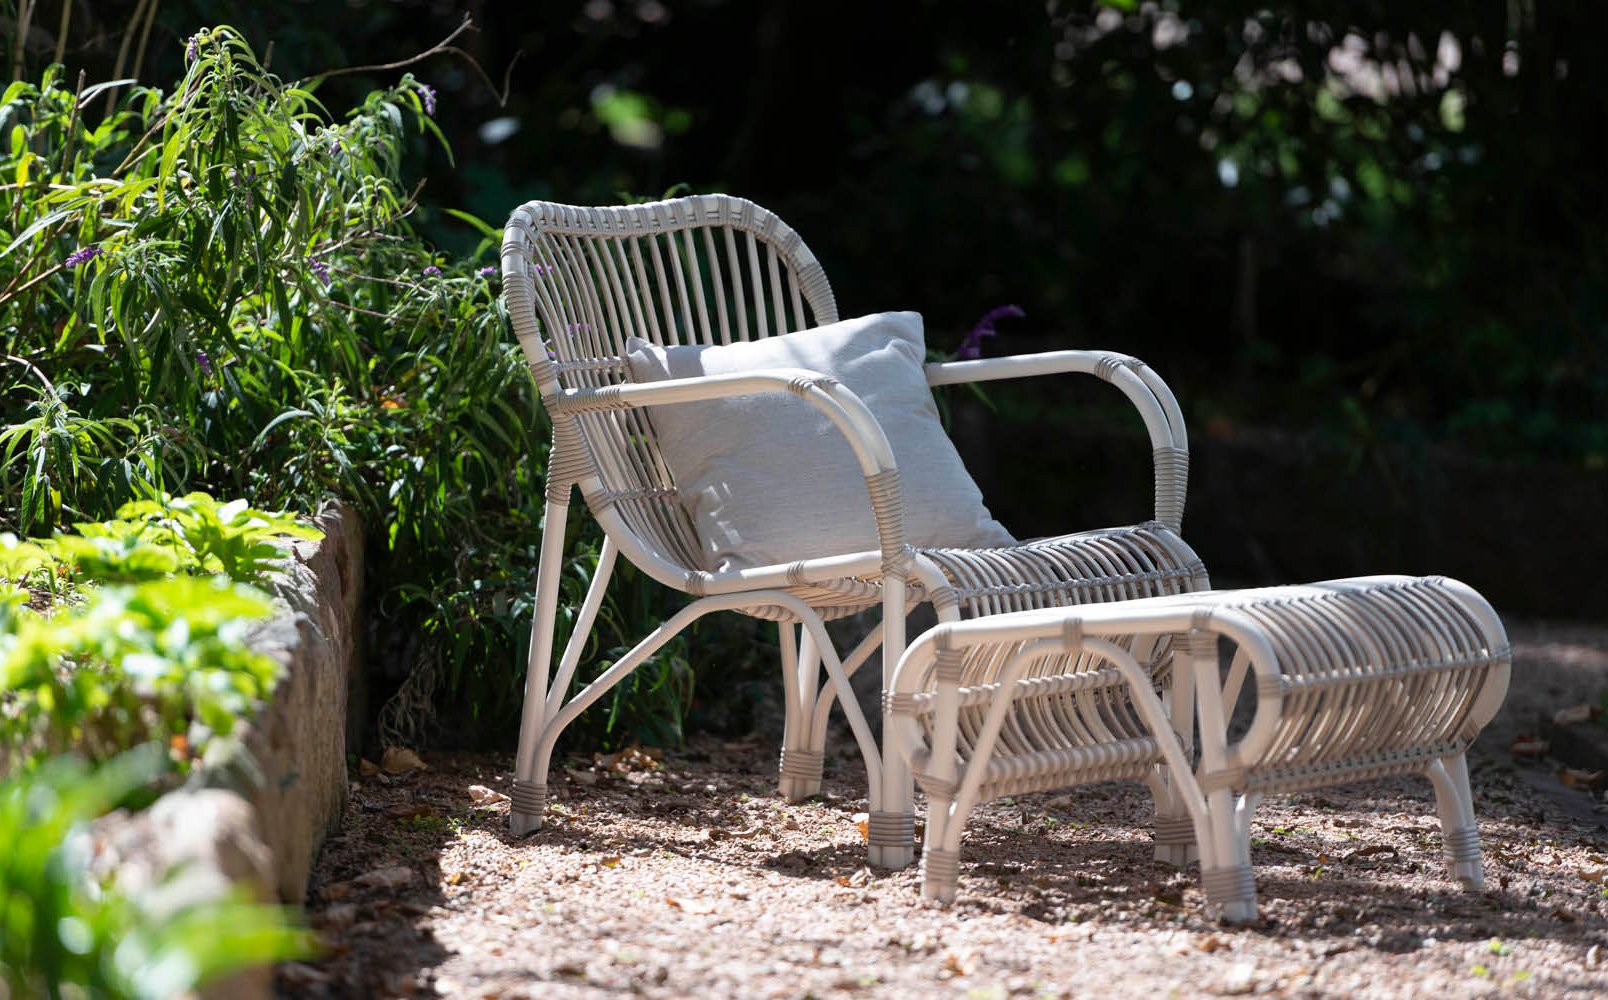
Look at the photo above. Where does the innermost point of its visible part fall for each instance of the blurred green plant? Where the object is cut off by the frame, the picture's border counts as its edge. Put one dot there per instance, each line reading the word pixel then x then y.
pixel 65 933
pixel 162 659
pixel 134 629
pixel 219 287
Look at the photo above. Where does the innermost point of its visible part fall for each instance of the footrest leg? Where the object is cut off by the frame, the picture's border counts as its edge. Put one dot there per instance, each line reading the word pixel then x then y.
pixel 940 871
pixel 529 803
pixel 1175 841
pixel 1232 892
pixel 800 773
pixel 1463 863
pixel 892 838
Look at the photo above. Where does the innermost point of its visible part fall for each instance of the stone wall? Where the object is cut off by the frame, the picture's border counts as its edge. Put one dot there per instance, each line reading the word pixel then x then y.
pixel 298 743
pixel 274 796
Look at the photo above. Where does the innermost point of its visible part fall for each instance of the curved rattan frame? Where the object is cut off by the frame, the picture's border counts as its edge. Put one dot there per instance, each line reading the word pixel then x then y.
pixel 714 269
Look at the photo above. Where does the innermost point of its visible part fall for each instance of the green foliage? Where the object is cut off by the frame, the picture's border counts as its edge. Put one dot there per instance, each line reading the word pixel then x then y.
pixel 166 658
pixel 196 532
pixel 218 287
pixel 128 633
pixel 120 649
pixel 61 929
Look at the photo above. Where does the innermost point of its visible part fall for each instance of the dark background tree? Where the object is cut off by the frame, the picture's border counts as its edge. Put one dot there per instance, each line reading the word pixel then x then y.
pixel 1321 214
pixel 1363 241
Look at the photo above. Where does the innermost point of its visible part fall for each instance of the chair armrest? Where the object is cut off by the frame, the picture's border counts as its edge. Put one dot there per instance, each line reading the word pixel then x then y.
pixel 1164 421
pixel 848 413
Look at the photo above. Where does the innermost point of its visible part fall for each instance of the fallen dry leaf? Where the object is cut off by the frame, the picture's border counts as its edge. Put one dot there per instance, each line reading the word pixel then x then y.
pixel 955 963
pixel 632 758
pixel 1594 956
pixel 1377 850
pixel 1575 777
pixel 401 760
pixel 386 878
pixel 1526 745
pixel 1574 713
pixel 409 810
pixel 700 906
pixel 367 768
pixel 581 777
pixel 857 880
pixel 1212 942
pixel 1595 874
pixel 610 861
pixel 716 833
pixel 483 796
pixel 863 822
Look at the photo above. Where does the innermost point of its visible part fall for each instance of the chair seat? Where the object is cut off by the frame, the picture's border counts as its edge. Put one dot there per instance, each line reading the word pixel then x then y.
pixel 1111 564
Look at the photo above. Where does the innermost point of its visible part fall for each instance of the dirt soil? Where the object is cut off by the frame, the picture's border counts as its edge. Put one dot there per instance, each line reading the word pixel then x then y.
pixel 686 876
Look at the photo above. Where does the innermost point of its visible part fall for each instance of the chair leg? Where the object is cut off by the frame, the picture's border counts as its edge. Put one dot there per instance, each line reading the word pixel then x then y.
pixel 940 849
pixel 530 783
pixel 1460 835
pixel 1225 858
pixel 1174 835
pixel 802 758
pixel 1175 830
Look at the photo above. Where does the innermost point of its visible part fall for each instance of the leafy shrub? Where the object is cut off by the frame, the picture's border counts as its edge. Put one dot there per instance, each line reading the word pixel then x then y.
pixel 130 633
pixel 60 928
pixel 103 646
pixel 219 287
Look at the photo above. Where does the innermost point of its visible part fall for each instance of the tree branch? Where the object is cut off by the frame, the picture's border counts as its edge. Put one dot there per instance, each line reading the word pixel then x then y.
pixel 442 46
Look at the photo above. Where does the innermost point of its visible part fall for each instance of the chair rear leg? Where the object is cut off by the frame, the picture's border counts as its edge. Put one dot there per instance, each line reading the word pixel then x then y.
pixel 1175 830
pixel 1460 834
pixel 1174 835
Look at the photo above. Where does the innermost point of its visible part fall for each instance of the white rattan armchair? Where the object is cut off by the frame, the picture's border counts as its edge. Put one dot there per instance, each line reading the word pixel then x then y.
pixel 714 269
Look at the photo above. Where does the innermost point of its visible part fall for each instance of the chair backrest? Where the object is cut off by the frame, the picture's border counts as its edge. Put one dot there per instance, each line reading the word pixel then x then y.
pixel 705 269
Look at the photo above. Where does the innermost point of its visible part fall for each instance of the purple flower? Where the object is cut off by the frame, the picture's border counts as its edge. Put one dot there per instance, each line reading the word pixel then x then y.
pixel 204 363
pixel 192 48
pixel 427 95
pixel 971 346
pixel 432 271
pixel 320 270
pixel 488 271
pixel 80 255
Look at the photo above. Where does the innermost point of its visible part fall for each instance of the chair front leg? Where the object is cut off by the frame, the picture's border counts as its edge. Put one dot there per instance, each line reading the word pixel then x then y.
pixel 891 829
pixel 802 757
pixel 530 787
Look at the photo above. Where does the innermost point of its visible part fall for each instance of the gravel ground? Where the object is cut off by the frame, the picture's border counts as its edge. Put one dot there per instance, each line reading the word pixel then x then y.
pixel 688 877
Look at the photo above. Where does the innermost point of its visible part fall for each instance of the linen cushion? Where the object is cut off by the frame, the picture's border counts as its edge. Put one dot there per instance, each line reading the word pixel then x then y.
pixel 768 479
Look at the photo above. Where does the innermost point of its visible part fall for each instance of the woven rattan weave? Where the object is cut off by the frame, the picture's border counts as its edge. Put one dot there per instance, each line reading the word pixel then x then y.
pixel 713 269
pixel 1349 679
